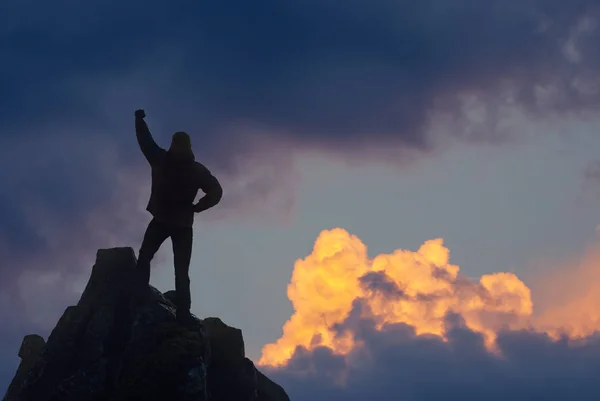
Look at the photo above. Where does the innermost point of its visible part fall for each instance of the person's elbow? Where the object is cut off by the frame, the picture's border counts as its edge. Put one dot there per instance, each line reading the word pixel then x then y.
pixel 217 194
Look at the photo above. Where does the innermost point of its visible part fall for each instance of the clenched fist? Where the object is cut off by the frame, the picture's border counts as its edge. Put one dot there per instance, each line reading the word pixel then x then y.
pixel 140 113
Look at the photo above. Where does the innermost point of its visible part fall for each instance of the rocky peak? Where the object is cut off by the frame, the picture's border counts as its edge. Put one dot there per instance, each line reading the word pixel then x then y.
pixel 116 344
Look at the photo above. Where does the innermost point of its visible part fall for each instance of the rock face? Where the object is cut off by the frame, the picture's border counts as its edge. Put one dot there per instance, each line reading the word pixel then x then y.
pixel 117 344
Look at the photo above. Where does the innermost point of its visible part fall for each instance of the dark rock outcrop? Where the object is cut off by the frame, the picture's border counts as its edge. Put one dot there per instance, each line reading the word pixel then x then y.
pixel 31 347
pixel 118 344
pixel 231 376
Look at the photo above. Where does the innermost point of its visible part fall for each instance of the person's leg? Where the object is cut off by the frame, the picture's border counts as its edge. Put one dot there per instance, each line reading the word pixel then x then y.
pixel 182 239
pixel 155 235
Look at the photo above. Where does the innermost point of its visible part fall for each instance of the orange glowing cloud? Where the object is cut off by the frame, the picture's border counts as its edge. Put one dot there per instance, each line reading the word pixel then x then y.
pixel 569 296
pixel 417 288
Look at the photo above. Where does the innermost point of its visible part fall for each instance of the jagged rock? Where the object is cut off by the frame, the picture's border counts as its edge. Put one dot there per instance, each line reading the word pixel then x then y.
pixel 167 363
pixel 122 342
pixel 229 376
pixel 226 341
pixel 111 278
pixel 268 390
pixel 31 347
pixel 58 360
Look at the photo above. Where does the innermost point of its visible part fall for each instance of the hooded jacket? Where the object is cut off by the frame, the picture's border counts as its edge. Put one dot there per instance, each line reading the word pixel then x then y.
pixel 176 179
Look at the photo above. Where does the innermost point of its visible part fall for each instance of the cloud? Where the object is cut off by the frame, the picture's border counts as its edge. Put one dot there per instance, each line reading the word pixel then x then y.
pixel 568 294
pixel 592 172
pixel 318 73
pixel 417 288
pixel 408 325
pixel 380 282
pixel 394 363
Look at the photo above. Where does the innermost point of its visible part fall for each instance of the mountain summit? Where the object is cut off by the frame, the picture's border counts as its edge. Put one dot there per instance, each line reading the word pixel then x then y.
pixel 116 345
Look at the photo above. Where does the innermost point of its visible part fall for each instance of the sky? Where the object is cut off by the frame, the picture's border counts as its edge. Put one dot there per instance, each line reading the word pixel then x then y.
pixel 411 189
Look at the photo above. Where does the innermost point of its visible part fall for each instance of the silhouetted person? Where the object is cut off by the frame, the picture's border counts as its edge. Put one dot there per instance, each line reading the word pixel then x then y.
pixel 176 178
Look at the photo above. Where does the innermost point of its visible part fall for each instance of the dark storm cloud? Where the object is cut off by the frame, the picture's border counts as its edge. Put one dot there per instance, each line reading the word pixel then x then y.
pixel 395 364
pixel 318 71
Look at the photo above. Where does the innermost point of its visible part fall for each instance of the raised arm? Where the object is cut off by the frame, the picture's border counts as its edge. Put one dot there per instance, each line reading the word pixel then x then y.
pixel 149 148
pixel 211 187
